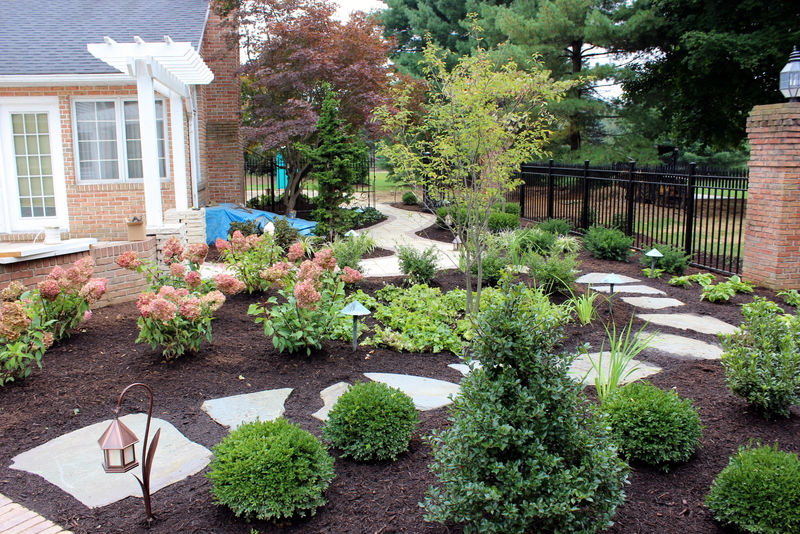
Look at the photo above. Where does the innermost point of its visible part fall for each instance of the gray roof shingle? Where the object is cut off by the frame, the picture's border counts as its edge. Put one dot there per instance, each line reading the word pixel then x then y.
pixel 50 36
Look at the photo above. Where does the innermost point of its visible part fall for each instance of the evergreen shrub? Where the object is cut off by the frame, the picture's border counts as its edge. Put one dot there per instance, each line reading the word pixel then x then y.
pixel 651 425
pixel 556 226
pixel 608 243
pixel 270 470
pixel 500 221
pixel 409 198
pixel 371 421
pixel 758 492
pixel 674 260
pixel 419 266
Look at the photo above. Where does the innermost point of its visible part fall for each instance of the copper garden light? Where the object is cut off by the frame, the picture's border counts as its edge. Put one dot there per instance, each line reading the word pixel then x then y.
pixel 119 455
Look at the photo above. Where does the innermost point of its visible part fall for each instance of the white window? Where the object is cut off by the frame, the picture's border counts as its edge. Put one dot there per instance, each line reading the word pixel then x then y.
pixel 109 142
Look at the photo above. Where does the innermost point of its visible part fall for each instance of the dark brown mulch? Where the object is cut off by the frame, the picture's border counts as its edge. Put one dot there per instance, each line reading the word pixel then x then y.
pixel 83 376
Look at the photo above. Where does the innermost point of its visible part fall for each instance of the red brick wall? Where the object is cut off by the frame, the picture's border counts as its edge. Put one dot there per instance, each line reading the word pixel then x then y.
pixel 219 113
pixel 123 285
pixel 772 230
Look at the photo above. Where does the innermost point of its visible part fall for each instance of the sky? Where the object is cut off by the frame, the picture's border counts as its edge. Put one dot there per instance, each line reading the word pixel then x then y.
pixel 348 6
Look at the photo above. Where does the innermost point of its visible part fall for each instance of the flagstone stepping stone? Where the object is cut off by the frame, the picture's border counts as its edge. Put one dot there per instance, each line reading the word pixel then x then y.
pixel 329 396
pixel 73 462
pixel 652 303
pixel 705 324
pixel 596 278
pixel 465 368
pixel 581 368
pixel 686 347
pixel 427 393
pixel 246 408
pixel 641 290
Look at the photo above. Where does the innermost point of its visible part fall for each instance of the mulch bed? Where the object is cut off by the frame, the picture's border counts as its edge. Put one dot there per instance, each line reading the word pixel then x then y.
pixel 83 376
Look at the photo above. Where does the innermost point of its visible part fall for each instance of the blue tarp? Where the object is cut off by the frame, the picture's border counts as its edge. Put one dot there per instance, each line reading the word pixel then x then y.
pixel 219 219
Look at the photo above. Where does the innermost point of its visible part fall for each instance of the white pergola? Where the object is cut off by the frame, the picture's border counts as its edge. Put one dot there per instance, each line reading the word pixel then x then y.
pixel 169 68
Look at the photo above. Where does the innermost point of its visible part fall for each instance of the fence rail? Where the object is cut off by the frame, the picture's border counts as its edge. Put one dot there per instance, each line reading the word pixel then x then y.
pixel 698 209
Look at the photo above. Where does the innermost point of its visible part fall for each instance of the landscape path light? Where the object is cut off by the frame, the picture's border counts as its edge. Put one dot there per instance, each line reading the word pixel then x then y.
pixel 653 254
pixel 119 456
pixel 457 243
pixel 790 77
pixel 611 279
pixel 355 309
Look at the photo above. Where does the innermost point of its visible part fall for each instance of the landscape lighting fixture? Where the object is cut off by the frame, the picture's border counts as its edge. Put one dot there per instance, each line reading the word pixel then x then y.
pixel 611 279
pixel 355 309
pixel 457 243
pixel 653 253
pixel 790 77
pixel 117 443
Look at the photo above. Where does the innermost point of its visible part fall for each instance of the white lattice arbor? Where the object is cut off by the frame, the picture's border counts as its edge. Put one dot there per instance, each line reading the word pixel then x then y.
pixel 169 68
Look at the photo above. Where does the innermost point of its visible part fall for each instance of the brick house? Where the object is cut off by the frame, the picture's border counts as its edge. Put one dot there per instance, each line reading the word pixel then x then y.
pixel 111 109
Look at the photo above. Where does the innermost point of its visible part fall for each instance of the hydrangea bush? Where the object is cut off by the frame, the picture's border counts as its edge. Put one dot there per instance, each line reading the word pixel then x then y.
pixel 248 256
pixel 177 311
pixel 23 338
pixel 312 295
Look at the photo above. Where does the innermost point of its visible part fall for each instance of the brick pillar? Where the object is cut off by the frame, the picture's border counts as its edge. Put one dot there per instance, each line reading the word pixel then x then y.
pixel 772 229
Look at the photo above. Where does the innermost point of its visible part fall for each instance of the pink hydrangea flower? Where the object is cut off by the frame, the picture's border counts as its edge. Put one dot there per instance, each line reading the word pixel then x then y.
pixel 177 270
pixel 12 292
pixel 143 303
pixel 56 273
pixel 193 279
pixel 49 289
pixel 351 276
pixel 192 309
pixel 221 244
pixel 228 284
pixel 129 260
pixel 276 273
pixel 324 258
pixel 172 250
pixel 48 339
pixel 87 315
pixel 214 300
pixel 94 289
pixel 239 243
pixel 309 272
pixel 163 310
pixel 196 253
pixel 296 252
pixel 13 320
pixel 307 296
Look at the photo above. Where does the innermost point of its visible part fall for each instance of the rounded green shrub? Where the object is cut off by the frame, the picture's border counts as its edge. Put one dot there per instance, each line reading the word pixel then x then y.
pixel 371 421
pixel 536 240
pixel 270 470
pixel 651 425
pixel 556 226
pixel 674 259
pixel 508 207
pixel 758 492
pixel 409 198
pixel 608 243
pixel 500 221
pixel 458 216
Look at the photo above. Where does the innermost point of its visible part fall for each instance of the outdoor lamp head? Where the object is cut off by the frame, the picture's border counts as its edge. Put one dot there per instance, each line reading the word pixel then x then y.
pixel 790 77
pixel 118 443
pixel 654 253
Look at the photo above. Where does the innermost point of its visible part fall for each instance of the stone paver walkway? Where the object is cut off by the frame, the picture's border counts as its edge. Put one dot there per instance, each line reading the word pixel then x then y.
pixel 15 519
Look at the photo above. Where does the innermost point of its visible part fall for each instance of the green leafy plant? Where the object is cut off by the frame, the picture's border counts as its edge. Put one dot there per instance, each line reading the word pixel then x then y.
pixel 371 421
pixel 553 274
pixel 508 207
pixel 350 249
pixel 583 305
pixel 409 198
pixel 652 273
pixel 419 266
pixel 502 465
pixel 536 240
pixel 725 290
pixel 674 260
pixel 500 221
pixel 493 265
pixel 270 470
pixel 285 235
pixel 247 256
pixel 622 348
pixel 704 279
pixel 312 298
pixel 23 339
pixel 556 226
pixel 790 297
pixel 758 491
pixel 608 243
pixel 651 425
pixel 368 216
pixel 567 244
pixel 245 228
pixel 458 217
pixel 762 358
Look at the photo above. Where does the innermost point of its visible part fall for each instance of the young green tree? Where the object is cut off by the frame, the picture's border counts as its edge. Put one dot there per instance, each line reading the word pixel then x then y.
pixel 482 119
pixel 333 160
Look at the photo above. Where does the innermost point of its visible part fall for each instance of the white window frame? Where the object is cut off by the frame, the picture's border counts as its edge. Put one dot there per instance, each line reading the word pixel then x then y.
pixel 122 145
pixel 10 216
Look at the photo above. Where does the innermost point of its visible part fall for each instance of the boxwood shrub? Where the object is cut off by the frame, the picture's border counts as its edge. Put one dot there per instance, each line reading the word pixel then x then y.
pixel 608 243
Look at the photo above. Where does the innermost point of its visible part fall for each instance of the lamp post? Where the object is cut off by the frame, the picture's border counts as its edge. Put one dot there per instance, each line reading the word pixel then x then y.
pixel 355 309
pixel 119 455
pixel 611 279
pixel 653 254
pixel 790 77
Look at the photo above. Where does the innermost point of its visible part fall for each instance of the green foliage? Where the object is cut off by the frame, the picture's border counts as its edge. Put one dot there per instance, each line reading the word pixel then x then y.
pixel 23 339
pixel 556 226
pixel 725 290
pixel 758 491
pixel 652 273
pixel 674 260
pixel 371 421
pixel 523 449
pixel 270 470
pixel 246 228
pixel 651 425
pixel 458 216
pixel 790 297
pixel 409 198
pixel 419 266
pixel 536 240
pixel 583 305
pixel 622 348
pixel 508 207
pixel 553 274
pixel 368 216
pixel 567 244
pixel 608 243
pixel 285 234
pixel 762 358
pixel 500 221
pixel 248 256
pixel 350 249
pixel 493 264
pixel 704 279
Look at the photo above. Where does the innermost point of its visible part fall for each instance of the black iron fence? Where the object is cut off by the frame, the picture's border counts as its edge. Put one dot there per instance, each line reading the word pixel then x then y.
pixel 266 180
pixel 701 210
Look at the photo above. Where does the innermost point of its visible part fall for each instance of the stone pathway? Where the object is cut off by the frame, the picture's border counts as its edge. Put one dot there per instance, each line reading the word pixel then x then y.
pixel 15 519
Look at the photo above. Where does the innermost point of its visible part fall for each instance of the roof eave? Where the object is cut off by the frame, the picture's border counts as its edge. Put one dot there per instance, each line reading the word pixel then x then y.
pixel 31 80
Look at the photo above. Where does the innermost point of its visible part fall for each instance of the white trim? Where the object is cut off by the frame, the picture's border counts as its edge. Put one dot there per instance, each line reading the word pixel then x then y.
pixel 30 80
pixel 147 129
